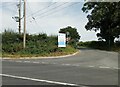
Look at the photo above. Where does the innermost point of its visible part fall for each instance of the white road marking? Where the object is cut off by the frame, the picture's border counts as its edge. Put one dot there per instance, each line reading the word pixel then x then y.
pixel 43 62
pixel 38 80
pixel 103 67
pixel 27 61
pixel 76 65
pixel 67 64
pixel 116 68
pixel 36 62
pixel 19 61
pixel 63 64
pixel 91 66
pixel 46 63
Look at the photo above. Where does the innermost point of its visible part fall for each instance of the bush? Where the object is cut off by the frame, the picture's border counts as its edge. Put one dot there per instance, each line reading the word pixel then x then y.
pixel 102 45
pixel 41 44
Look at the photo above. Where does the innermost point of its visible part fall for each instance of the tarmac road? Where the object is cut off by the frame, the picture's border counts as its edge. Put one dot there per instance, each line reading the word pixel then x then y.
pixel 88 68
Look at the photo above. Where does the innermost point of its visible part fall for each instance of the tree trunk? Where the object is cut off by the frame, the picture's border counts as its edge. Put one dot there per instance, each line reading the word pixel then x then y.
pixel 110 41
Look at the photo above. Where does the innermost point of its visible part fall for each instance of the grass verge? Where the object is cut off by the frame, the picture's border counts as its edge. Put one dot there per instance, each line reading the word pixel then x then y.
pixel 64 51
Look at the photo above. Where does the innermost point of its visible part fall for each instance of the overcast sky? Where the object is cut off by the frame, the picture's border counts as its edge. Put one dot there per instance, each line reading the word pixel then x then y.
pixel 47 16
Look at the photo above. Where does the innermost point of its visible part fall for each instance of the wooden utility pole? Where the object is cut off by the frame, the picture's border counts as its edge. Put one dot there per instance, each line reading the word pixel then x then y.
pixel 19 6
pixel 24 31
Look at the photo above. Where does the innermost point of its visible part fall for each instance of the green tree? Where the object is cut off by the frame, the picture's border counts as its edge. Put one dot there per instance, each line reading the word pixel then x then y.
pixel 103 16
pixel 73 34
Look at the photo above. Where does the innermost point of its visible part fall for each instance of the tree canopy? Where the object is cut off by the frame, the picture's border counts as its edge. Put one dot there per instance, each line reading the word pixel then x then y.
pixel 103 16
pixel 73 34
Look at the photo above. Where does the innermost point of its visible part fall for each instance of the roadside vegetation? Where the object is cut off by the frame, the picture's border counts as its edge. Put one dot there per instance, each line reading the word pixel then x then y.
pixel 102 45
pixel 103 18
pixel 36 45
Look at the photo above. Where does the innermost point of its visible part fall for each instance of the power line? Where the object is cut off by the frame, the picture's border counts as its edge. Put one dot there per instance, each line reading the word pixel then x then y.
pixel 42 9
pixel 52 9
pixel 33 16
pixel 30 9
pixel 7 5
pixel 59 10
pixel 49 10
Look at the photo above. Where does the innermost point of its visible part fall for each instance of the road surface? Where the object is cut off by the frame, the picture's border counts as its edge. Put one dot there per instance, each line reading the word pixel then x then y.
pixel 86 69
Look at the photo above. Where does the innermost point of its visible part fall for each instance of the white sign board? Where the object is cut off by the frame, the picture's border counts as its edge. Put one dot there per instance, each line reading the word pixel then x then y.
pixel 61 40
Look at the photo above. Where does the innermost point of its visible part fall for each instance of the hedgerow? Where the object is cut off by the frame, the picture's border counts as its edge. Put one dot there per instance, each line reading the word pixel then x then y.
pixel 40 44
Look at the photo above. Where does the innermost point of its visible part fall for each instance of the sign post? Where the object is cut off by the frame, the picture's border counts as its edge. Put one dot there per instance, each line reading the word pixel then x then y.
pixel 61 40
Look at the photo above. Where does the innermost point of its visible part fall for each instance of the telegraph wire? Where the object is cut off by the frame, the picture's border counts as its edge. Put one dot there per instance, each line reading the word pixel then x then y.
pixel 53 12
pixel 33 16
pixel 7 5
pixel 42 9
pixel 60 9
pixel 52 9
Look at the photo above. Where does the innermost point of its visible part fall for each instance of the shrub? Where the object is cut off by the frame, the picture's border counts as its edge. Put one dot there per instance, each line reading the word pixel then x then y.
pixel 41 44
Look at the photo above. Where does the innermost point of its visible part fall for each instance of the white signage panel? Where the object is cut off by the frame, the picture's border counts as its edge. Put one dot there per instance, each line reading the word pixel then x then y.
pixel 61 40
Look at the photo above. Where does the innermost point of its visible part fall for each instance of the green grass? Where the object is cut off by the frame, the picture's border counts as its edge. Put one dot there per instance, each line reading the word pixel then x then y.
pixel 64 51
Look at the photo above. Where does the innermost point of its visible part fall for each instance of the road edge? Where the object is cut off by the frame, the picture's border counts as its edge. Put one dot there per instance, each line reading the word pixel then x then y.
pixel 51 57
